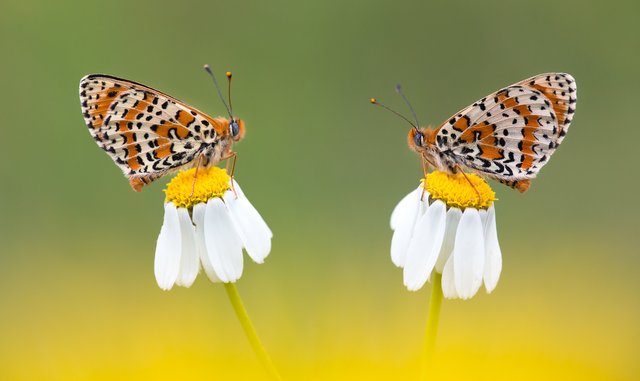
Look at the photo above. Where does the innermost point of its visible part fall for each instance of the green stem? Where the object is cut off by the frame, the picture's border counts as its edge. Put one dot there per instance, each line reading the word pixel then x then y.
pixel 250 331
pixel 432 327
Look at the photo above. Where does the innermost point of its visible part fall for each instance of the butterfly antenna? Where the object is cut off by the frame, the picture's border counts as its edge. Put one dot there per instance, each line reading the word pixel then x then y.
pixel 229 75
pixel 399 91
pixel 375 102
pixel 207 68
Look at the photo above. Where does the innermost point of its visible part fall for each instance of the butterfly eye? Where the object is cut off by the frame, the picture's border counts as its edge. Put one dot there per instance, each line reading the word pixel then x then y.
pixel 418 138
pixel 233 127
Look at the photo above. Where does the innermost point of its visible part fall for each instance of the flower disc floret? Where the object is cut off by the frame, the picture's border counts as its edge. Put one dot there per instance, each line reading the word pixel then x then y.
pixel 457 192
pixel 209 183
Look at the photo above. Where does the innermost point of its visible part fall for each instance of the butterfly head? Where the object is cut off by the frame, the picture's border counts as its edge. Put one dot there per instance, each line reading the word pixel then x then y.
pixel 236 129
pixel 421 139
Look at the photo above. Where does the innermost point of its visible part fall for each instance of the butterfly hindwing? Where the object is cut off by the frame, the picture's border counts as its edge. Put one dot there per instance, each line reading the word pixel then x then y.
pixel 147 133
pixel 510 134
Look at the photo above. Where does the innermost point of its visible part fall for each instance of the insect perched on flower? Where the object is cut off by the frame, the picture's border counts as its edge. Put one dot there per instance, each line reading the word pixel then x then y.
pixel 149 134
pixel 507 136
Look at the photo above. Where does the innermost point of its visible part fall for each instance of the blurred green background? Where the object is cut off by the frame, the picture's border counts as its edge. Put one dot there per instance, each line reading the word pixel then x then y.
pixel 325 169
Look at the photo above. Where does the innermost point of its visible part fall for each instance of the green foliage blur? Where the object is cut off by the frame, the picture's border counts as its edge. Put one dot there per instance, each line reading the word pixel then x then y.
pixel 325 168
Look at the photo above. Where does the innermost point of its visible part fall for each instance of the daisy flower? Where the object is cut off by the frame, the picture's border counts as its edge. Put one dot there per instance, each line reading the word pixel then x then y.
pixel 207 225
pixel 448 227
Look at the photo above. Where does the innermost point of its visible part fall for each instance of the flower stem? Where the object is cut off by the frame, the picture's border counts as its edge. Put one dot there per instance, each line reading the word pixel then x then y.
pixel 433 317
pixel 250 331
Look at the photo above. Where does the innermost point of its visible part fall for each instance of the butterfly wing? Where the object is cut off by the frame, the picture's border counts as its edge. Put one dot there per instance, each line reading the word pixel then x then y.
pixel 510 134
pixel 560 89
pixel 147 133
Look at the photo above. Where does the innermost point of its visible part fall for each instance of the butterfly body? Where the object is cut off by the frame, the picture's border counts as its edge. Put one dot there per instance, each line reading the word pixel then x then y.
pixel 421 140
pixel 508 135
pixel 149 134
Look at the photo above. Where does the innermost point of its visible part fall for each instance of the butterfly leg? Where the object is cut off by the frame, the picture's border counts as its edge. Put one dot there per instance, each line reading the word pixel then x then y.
pixel 232 161
pixel 425 170
pixel 470 183
pixel 232 156
pixel 195 175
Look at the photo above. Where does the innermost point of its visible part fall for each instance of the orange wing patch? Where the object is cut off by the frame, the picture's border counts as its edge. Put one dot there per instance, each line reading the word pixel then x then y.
pixel 491 152
pixel 97 98
pixel 559 105
pixel 462 123
pixel 561 91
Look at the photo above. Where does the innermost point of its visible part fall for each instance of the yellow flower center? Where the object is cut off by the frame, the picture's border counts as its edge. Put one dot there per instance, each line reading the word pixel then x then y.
pixel 188 189
pixel 457 190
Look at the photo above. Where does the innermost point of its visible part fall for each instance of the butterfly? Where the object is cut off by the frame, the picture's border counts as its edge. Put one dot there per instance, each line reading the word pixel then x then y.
pixel 149 134
pixel 507 136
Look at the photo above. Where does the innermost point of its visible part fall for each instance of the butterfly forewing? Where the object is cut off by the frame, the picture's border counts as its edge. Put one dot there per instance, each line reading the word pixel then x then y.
pixel 147 133
pixel 510 134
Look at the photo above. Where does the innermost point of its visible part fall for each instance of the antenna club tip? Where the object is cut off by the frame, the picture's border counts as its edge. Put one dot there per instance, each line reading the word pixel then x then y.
pixel 207 67
pixel 398 87
pixel 228 74
pixel 373 100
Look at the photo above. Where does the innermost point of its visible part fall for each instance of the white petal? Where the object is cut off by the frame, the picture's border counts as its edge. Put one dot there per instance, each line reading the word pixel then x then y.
pixel 241 194
pixel 253 231
pixel 493 255
pixel 405 208
pixel 404 218
pixel 168 248
pixel 448 281
pixel 425 246
pixel 483 217
pixel 189 264
pixel 453 217
pixel 256 216
pixel 198 221
pixel 222 242
pixel 468 254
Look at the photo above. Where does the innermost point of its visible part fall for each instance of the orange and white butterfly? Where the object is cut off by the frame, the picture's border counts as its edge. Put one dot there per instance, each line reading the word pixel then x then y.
pixel 507 136
pixel 149 134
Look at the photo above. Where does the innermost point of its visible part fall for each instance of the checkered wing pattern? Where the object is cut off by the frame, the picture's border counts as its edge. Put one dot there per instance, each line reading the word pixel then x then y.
pixel 511 134
pixel 146 132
